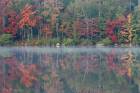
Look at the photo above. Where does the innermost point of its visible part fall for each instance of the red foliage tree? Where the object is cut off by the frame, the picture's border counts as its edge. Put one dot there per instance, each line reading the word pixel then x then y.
pixel 111 26
pixel 4 4
pixel 46 29
pixel 87 27
pixel 12 27
pixel 28 16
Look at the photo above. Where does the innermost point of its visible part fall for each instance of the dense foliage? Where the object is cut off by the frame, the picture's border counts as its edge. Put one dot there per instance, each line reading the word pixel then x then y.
pixel 76 20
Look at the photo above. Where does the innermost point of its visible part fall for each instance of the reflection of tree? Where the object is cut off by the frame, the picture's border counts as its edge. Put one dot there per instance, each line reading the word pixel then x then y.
pixel 103 72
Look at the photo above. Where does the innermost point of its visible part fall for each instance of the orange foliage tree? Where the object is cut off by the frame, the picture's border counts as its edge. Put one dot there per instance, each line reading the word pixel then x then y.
pixel 27 17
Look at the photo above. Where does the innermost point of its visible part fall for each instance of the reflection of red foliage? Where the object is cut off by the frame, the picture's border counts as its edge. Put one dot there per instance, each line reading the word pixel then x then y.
pixel 7 90
pixel 85 62
pixel 121 69
pixel 16 71
pixel 27 76
pixel 110 61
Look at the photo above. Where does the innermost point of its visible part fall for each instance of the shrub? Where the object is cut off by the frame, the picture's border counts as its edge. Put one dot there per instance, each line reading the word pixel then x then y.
pixel 52 42
pixel 105 42
pixel 6 39
pixel 85 42
pixel 68 42
pixel 41 42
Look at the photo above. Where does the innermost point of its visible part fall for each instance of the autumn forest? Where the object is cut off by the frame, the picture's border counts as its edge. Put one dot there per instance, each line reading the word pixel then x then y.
pixel 69 46
pixel 69 22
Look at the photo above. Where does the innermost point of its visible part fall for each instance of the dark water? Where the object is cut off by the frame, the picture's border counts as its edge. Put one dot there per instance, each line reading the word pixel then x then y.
pixel 69 70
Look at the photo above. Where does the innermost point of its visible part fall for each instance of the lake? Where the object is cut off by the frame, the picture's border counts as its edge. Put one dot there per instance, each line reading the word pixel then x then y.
pixel 69 70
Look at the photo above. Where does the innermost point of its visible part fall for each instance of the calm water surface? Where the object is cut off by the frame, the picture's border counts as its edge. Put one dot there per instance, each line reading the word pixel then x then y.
pixel 69 70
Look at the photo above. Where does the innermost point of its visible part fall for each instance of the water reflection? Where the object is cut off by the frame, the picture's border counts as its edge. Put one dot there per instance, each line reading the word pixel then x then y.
pixel 69 70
